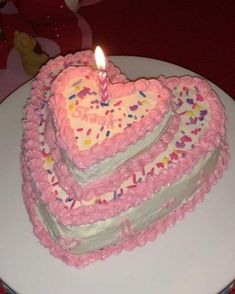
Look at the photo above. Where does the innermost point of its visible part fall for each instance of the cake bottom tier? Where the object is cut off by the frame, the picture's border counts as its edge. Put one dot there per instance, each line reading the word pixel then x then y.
pixel 81 245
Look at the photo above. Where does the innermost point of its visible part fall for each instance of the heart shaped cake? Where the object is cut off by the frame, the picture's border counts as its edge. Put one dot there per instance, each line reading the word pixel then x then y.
pixel 101 144
pixel 102 177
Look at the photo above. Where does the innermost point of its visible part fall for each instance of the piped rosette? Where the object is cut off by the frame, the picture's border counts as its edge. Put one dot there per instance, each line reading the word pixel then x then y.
pixel 95 146
pixel 119 196
pixel 194 135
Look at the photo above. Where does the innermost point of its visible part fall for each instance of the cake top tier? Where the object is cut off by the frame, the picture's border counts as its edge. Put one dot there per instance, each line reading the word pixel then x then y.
pixel 87 130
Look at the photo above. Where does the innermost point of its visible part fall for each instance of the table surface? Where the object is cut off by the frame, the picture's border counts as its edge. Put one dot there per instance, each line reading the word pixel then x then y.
pixel 196 256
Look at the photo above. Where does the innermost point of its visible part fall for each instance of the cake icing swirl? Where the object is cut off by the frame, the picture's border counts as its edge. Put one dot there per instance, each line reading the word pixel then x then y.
pixel 133 200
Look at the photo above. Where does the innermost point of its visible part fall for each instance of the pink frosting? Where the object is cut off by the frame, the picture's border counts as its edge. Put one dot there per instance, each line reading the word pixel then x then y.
pixel 112 181
pixel 66 138
pixel 208 141
pixel 135 239
pixel 33 171
pixel 83 58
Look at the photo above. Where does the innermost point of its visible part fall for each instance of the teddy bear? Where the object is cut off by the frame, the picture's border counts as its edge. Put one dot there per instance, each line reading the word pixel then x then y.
pixel 32 54
pixel 56 25
pixel 56 20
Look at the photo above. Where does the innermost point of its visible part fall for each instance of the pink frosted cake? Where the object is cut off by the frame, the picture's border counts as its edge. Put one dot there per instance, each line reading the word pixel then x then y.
pixel 102 177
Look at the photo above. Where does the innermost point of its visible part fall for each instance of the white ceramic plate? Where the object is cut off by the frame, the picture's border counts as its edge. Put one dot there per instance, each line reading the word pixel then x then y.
pixel 196 256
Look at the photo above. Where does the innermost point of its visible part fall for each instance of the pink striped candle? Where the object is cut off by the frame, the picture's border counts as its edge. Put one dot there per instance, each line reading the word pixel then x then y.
pixel 103 80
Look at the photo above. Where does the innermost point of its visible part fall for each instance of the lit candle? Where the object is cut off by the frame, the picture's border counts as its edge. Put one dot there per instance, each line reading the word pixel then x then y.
pixel 103 80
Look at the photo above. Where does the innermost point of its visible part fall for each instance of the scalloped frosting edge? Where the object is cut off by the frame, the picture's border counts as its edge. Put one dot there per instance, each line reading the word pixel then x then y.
pixel 107 183
pixel 92 213
pixel 140 239
pixel 119 142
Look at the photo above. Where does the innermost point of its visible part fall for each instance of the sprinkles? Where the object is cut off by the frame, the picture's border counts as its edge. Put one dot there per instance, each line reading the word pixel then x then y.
pixel 87 142
pixel 88 132
pixel 134 178
pixel 72 97
pixel 193 115
pixel 104 104
pixel 142 94
pixel 76 83
pixel 118 103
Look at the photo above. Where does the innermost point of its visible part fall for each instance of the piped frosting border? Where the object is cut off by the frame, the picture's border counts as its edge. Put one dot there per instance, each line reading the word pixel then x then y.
pixel 119 142
pixel 92 213
pixel 105 184
pixel 140 239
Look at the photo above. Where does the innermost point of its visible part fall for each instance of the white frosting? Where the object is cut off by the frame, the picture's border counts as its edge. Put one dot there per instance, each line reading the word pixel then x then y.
pixel 108 165
pixel 84 112
pixel 107 232
pixel 173 153
pixel 88 118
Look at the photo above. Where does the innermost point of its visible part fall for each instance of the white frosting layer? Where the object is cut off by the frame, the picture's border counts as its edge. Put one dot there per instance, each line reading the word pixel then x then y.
pixel 107 232
pixel 92 123
pixel 108 165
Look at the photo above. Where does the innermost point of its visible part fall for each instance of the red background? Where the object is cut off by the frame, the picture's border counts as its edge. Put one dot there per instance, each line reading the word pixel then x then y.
pixel 198 35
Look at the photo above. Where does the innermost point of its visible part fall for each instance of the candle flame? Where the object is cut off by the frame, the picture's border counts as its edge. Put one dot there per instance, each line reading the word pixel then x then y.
pixel 99 58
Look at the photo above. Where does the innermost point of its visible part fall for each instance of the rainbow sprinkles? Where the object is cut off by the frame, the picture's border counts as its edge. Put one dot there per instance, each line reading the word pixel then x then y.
pixel 102 177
